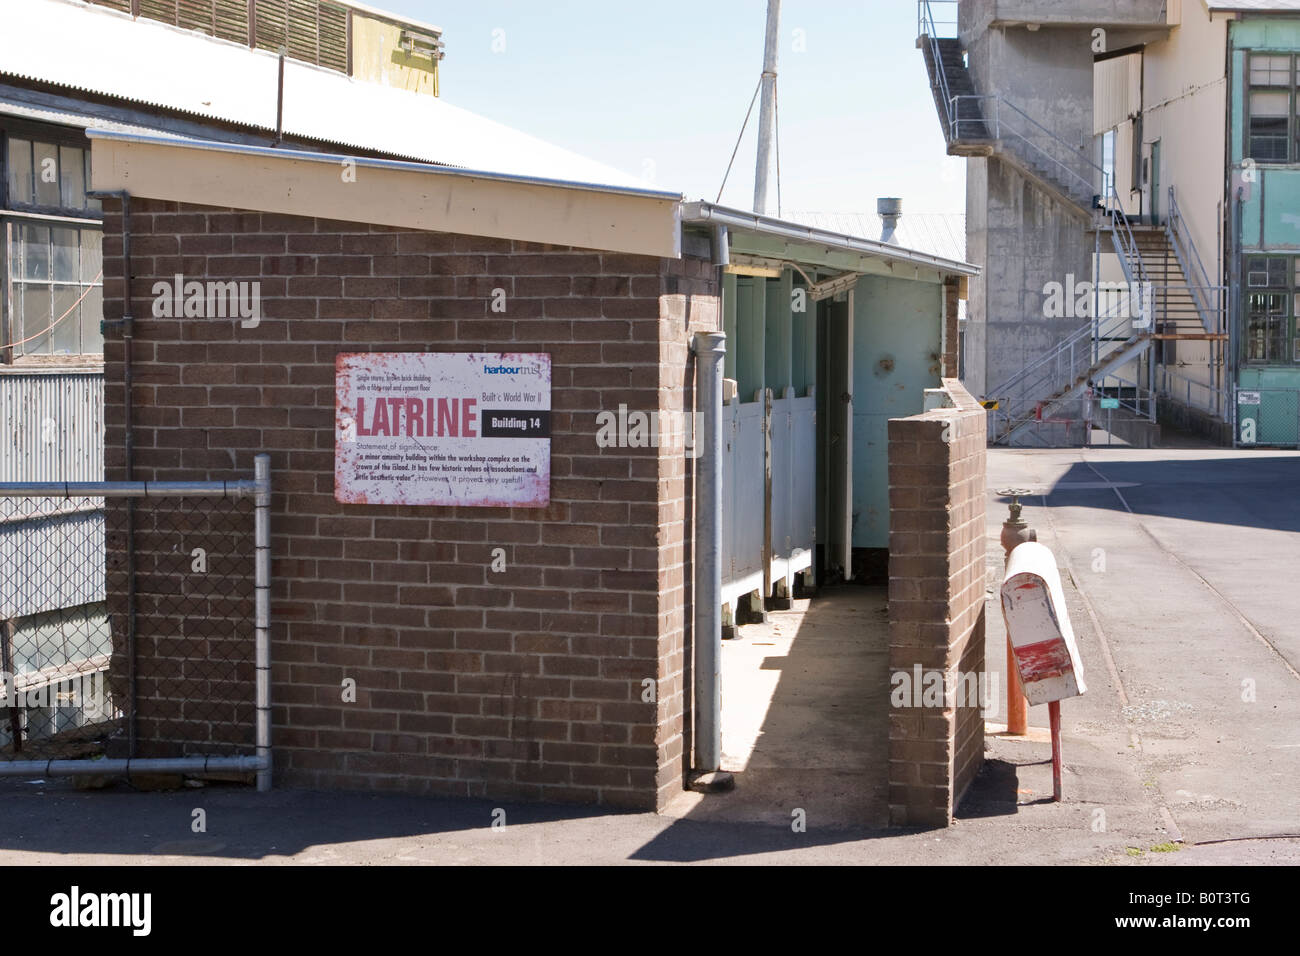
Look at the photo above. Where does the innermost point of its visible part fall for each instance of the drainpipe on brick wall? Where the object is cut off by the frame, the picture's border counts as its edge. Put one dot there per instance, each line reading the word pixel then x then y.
pixel 710 350
pixel 127 324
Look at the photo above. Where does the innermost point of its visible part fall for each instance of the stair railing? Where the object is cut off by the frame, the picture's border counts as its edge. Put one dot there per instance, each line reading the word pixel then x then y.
pixel 928 28
pixel 1060 368
pixel 1142 401
pixel 1208 296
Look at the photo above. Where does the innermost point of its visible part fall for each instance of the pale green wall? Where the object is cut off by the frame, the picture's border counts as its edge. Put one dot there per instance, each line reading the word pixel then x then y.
pixel 898 322
pixel 1270 216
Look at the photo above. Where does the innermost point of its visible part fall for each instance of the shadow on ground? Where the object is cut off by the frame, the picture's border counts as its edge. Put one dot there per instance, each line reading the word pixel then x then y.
pixel 811 753
pixel 1247 490
pixel 241 823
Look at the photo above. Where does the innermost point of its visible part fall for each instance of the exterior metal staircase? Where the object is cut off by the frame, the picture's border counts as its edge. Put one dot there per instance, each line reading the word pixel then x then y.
pixel 1155 260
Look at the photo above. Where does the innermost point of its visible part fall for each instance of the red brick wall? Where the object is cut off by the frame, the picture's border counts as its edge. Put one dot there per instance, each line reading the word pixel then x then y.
pixel 522 684
pixel 936 605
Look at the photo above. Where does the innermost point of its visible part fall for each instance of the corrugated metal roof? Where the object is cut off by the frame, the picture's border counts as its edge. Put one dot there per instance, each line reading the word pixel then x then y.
pixel 707 213
pixel 72 118
pixel 938 233
pixel 97 50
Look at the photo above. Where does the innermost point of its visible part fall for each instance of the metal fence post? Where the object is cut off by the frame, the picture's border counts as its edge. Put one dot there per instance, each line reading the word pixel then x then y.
pixel 58 520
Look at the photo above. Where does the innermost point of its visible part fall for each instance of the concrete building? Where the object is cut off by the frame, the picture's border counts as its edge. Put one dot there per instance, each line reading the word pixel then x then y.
pixel 1129 189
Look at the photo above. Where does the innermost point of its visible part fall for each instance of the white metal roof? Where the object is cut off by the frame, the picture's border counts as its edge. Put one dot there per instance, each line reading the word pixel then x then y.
pixel 938 233
pixel 93 49
pixel 707 213
pixel 60 117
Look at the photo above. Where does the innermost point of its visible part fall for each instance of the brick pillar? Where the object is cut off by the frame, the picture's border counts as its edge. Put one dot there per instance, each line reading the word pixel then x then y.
pixel 936 608
pixel 951 338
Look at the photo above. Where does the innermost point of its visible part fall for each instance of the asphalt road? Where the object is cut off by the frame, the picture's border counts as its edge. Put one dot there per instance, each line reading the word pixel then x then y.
pixel 1186 558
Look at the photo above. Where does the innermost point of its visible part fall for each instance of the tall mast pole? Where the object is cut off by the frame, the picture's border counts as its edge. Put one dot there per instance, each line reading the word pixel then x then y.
pixel 767 107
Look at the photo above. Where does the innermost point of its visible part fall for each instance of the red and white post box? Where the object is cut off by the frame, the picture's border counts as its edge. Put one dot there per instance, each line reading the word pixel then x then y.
pixel 1042 640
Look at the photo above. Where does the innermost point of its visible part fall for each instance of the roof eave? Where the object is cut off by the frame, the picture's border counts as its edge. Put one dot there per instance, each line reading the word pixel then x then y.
pixel 707 213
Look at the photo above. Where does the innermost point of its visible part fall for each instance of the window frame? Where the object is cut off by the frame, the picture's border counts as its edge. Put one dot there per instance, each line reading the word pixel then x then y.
pixel 1288 292
pixel 14 214
pixel 1292 137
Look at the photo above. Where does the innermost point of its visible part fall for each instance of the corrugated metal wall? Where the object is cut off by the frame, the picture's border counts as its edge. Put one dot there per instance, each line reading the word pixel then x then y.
pixel 51 429
pixel 52 426
pixel 1116 91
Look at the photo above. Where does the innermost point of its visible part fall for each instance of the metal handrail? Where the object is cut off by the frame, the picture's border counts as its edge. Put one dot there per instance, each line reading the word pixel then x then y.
pixel 1104 328
pixel 1219 396
pixel 992 120
pixel 925 18
pixel 1141 395
pixel 1131 260
pixel 1185 250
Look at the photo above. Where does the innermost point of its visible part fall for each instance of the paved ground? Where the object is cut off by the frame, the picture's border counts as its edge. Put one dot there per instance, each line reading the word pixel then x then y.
pixel 1179 572
pixel 805 722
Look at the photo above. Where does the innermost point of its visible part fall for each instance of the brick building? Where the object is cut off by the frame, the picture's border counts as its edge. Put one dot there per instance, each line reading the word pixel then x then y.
pixel 530 652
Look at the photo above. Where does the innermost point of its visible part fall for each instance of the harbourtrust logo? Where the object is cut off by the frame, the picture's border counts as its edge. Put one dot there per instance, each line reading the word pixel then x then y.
pixel 77 909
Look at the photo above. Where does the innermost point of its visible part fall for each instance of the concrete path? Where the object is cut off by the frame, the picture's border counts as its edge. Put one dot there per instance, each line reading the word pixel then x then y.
pixel 805 718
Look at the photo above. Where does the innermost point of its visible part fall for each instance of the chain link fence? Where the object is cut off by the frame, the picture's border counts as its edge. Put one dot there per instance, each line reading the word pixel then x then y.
pixel 135 624
pixel 1268 416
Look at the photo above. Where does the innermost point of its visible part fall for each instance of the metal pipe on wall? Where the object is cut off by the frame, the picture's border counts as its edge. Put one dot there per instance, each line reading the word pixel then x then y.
pixel 710 351
pixel 127 322
pixel 262 613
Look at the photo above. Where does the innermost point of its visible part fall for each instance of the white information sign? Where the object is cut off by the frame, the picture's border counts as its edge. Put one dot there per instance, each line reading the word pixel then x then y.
pixel 443 428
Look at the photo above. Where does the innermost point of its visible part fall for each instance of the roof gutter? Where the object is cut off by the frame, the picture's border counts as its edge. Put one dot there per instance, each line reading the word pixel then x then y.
pixel 708 214
pixel 363 162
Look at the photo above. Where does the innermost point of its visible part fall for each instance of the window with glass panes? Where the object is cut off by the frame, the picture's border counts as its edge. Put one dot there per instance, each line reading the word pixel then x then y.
pixel 1272 301
pixel 1271 127
pixel 52 237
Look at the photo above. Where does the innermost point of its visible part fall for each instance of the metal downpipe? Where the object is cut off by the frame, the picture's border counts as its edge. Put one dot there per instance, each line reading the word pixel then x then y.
pixel 127 322
pixel 710 351
pixel 262 614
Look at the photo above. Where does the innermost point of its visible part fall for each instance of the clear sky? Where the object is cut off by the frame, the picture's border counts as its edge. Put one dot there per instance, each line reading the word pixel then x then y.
pixel 660 89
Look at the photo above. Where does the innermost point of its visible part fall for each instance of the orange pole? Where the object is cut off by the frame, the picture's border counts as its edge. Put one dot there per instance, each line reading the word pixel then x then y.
pixel 1017 706
pixel 1014 532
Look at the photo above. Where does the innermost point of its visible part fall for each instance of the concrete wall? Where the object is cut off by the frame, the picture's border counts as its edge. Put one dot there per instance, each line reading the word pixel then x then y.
pixel 936 606
pixel 1030 238
pixel 526 683
pixel 1022 235
pixel 1090 13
